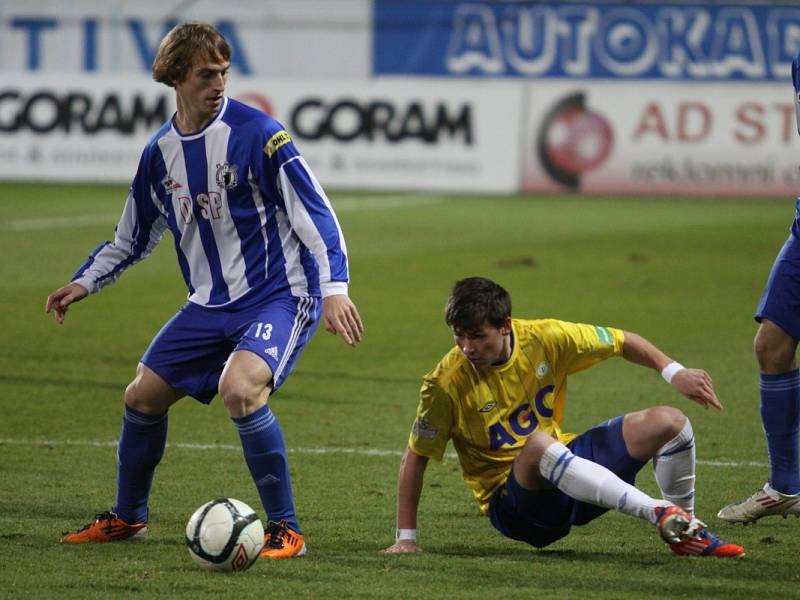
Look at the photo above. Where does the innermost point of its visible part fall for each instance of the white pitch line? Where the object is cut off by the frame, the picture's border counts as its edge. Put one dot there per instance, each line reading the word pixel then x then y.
pixel 353 451
pixel 341 205
pixel 384 202
pixel 186 446
pixel 46 223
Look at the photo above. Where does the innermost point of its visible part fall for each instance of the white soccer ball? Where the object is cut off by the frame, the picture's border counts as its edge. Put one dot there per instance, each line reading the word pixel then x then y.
pixel 224 535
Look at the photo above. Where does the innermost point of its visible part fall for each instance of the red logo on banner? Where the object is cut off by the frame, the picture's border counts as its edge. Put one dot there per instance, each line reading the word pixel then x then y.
pixel 257 101
pixel 573 140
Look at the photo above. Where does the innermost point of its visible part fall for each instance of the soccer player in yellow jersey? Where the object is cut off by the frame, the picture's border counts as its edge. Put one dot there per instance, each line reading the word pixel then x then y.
pixel 500 396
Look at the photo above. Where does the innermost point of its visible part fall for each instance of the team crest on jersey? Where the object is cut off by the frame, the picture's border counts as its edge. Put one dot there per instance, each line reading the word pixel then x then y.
pixel 423 429
pixel 227 176
pixel 542 369
pixel 170 185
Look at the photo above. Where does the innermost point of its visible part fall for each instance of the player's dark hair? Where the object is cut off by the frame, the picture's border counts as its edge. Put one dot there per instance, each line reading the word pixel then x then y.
pixel 186 45
pixel 475 301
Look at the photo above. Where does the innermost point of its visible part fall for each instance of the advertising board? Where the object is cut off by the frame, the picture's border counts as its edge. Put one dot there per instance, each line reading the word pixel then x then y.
pixel 399 134
pixel 721 139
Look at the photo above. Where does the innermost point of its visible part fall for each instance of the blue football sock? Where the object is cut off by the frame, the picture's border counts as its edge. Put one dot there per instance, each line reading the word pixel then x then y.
pixel 265 453
pixel 780 415
pixel 141 446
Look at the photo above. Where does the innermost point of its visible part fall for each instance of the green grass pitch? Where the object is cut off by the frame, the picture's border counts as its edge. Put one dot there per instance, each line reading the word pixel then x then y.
pixel 684 273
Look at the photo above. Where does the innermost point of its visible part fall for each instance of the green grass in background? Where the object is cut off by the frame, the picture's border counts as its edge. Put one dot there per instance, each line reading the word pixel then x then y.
pixel 684 273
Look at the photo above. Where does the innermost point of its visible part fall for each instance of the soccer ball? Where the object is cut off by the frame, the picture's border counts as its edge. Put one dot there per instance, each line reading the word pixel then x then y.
pixel 224 535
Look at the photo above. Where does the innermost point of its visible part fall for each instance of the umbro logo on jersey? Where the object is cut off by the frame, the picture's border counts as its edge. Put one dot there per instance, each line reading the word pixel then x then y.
pixel 227 176
pixel 423 429
pixel 272 351
pixel 488 406
pixel 170 185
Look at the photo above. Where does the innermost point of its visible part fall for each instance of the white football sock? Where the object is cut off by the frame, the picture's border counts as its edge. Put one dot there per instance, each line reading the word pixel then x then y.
pixel 673 466
pixel 590 482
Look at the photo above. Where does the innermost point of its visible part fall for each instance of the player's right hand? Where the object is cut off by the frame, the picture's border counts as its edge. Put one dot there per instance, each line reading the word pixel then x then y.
pixel 58 302
pixel 402 547
pixel 697 386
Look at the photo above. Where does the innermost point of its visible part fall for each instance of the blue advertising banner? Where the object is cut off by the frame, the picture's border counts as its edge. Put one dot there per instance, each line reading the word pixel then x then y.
pixel 692 41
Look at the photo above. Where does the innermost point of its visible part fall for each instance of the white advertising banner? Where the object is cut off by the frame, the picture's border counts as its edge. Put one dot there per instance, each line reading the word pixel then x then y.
pixel 78 128
pixel 397 134
pixel 661 138
pixel 401 134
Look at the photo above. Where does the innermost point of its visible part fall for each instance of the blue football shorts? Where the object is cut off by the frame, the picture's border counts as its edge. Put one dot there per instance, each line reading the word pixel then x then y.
pixel 191 349
pixel 780 302
pixel 540 518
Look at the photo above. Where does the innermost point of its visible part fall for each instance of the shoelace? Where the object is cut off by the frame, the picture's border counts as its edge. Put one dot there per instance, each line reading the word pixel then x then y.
pixel 107 515
pixel 696 528
pixel 276 532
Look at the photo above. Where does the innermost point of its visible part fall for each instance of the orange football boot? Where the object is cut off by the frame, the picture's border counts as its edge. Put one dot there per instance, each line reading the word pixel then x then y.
pixel 687 535
pixel 107 527
pixel 280 541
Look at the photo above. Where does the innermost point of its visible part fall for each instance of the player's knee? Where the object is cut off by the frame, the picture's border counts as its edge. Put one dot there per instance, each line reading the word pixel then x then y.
pixel 770 357
pixel 132 396
pixel 764 351
pixel 666 421
pixel 533 450
pixel 233 394
pixel 239 397
pixel 137 398
pixel 774 349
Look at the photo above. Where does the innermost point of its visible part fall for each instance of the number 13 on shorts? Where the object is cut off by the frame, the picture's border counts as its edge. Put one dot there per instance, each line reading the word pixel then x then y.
pixel 264 331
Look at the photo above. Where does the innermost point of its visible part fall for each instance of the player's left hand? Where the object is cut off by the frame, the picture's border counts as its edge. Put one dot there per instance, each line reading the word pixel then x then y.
pixel 341 316
pixel 696 385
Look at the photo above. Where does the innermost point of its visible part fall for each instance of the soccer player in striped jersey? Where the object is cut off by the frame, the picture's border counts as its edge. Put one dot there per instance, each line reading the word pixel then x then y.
pixel 262 255
pixel 775 346
pixel 500 396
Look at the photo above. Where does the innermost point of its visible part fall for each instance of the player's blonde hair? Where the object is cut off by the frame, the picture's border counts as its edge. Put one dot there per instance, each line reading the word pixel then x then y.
pixel 186 45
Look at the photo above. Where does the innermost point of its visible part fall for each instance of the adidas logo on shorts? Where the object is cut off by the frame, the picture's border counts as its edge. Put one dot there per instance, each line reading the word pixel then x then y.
pixel 272 351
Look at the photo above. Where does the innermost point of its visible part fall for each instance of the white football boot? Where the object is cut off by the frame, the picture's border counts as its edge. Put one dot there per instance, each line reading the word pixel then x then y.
pixel 764 503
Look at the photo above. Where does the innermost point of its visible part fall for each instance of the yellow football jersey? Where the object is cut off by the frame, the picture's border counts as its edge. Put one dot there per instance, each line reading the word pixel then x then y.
pixel 489 414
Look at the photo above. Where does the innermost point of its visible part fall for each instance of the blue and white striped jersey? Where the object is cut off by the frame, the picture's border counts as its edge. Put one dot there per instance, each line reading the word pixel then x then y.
pixel 248 217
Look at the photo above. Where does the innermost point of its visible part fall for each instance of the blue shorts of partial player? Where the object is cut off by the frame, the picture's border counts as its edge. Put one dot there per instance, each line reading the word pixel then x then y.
pixel 192 348
pixel 540 518
pixel 780 302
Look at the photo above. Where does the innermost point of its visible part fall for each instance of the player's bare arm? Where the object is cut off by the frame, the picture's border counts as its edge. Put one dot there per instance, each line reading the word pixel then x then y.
pixel 58 302
pixel 341 316
pixel 695 384
pixel 409 491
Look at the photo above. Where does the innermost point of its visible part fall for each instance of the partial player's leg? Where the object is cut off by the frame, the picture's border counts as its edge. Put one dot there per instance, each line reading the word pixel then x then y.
pixel 141 446
pixel 271 341
pixel 597 473
pixel 598 470
pixel 775 346
pixel 780 416
pixel 550 487
pixel 664 434
pixel 244 388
